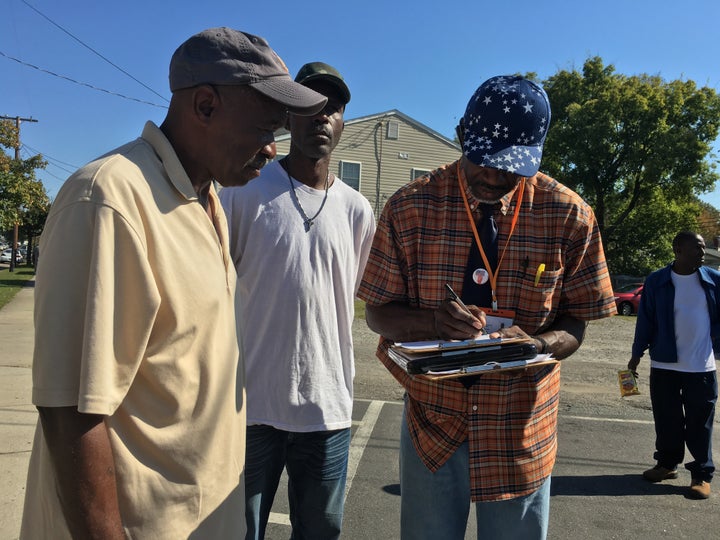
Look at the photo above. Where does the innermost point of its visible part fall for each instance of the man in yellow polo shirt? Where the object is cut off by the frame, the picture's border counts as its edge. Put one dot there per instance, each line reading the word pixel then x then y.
pixel 136 370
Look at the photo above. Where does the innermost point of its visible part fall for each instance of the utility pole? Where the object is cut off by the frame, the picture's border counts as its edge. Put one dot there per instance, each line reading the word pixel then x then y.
pixel 17 158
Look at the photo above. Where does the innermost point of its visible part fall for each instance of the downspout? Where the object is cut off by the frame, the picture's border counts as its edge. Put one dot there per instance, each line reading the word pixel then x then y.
pixel 378 159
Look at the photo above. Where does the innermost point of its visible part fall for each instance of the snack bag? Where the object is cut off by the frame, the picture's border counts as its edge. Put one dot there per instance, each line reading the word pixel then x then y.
pixel 628 383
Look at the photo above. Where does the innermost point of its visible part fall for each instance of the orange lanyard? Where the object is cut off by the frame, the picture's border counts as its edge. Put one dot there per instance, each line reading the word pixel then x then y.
pixel 493 276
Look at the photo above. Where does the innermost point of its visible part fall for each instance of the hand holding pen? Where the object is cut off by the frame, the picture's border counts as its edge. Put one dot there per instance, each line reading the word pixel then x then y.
pixel 469 325
pixel 455 298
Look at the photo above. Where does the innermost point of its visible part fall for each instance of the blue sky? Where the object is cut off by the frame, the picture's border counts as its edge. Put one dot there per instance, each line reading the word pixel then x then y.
pixel 422 57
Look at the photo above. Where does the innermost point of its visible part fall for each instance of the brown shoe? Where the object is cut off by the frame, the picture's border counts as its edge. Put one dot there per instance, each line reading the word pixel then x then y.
pixel 658 474
pixel 699 489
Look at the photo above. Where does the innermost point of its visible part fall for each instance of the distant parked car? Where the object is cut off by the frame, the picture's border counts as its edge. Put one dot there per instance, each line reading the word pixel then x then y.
pixel 627 298
pixel 6 256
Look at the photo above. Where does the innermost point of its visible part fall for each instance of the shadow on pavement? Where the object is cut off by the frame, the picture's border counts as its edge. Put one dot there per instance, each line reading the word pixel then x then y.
pixel 392 489
pixel 608 485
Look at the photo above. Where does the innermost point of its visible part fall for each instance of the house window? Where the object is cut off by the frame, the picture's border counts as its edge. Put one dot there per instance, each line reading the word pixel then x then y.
pixel 393 130
pixel 417 173
pixel 350 174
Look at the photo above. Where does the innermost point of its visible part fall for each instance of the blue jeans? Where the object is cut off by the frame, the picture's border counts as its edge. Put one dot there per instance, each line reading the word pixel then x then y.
pixel 316 464
pixel 437 505
pixel 684 411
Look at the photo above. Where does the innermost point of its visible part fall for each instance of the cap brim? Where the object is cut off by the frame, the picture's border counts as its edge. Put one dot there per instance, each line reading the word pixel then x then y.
pixel 297 98
pixel 337 83
pixel 518 159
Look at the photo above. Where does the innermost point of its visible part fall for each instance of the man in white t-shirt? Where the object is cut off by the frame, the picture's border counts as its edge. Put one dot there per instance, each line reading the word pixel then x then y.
pixel 299 238
pixel 678 321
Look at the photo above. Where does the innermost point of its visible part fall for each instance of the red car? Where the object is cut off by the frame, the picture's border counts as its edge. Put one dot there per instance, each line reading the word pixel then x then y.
pixel 627 298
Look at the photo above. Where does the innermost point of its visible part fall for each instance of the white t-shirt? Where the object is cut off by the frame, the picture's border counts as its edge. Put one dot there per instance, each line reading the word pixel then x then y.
pixel 692 327
pixel 295 297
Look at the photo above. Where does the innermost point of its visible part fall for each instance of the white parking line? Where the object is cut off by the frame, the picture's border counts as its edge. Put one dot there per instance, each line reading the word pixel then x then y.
pixel 360 440
pixel 357 448
pixel 384 402
pixel 278 518
pixel 601 419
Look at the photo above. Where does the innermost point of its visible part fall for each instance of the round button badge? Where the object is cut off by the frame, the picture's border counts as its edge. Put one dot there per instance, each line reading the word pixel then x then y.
pixel 480 276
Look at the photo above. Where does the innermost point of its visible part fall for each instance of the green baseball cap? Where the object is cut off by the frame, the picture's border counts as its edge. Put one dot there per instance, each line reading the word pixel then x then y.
pixel 320 70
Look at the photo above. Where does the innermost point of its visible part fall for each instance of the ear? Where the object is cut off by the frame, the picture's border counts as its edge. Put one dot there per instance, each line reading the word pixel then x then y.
pixel 460 131
pixel 205 101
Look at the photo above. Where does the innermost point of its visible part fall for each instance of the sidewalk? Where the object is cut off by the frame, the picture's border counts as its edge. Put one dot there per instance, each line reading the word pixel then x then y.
pixel 17 414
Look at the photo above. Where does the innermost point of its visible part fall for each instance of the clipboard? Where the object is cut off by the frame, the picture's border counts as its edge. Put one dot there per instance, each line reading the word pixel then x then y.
pixel 418 347
pixel 538 361
pixel 463 358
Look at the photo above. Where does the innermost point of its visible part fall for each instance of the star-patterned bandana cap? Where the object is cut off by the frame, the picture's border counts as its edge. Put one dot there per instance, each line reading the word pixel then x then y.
pixel 506 122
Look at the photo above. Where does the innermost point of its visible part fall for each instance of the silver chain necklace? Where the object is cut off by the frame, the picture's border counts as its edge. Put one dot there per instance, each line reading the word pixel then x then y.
pixel 307 221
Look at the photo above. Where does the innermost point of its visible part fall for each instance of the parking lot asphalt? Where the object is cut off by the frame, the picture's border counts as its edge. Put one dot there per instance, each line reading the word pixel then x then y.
pixel 605 442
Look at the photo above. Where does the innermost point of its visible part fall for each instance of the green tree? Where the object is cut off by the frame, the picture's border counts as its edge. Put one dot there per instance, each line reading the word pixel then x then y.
pixel 648 234
pixel 638 149
pixel 33 224
pixel 21 193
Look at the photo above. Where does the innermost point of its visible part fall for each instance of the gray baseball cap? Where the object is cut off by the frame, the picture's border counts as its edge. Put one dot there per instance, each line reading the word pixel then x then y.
pixel 224 56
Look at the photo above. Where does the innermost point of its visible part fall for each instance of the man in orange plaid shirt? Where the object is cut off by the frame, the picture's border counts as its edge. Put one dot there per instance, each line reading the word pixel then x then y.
pixel 492 438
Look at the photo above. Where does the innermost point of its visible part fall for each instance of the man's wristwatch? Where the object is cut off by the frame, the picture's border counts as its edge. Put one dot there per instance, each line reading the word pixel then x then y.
pixel 544 349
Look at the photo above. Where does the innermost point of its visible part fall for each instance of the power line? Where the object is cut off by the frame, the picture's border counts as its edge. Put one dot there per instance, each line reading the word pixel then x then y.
pixel 50 163
pixel 82 83
pixel 49 158
pixel 56 177
pixel 92 50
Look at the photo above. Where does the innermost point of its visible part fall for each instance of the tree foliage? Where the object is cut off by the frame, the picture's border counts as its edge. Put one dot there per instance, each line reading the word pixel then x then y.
pixel 709 224
pixel 638 150
pixel 21 193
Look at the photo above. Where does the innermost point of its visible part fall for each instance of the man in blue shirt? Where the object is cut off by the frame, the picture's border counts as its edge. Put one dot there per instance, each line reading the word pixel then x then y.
pixel 683 380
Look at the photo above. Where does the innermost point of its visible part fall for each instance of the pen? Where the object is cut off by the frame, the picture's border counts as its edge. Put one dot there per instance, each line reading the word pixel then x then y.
pixel 540 270
pixel 456 298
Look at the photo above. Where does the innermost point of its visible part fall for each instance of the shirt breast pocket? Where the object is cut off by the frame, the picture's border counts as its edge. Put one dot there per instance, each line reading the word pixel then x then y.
pixel 539 292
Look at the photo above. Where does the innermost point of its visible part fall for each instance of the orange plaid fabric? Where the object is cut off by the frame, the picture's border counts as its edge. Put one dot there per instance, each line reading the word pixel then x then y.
pixel 510 418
